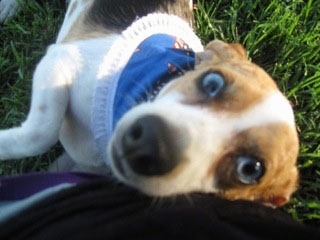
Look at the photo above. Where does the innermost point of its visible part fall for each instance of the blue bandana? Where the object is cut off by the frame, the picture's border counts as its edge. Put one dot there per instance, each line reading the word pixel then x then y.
pixel 156 61
pixel 151 52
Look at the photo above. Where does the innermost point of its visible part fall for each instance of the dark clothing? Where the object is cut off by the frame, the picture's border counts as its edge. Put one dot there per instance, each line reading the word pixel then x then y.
pixel 103 209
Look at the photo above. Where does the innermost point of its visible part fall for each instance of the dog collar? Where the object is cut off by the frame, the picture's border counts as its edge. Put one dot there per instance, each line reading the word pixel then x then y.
pixel 151 52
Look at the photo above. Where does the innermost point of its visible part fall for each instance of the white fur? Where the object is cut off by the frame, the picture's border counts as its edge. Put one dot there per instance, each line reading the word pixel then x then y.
pixel 274 109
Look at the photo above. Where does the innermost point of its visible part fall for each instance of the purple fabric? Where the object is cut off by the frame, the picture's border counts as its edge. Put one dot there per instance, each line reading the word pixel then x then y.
pixel 22 186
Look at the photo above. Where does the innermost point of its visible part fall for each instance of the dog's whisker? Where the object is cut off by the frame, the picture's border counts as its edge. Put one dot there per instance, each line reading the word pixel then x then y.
pixel 145 92
pixel 181 70
pixel 189 199
pixel 156 202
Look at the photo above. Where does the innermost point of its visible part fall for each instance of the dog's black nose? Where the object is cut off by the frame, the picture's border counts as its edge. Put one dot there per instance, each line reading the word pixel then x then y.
pixel 148 146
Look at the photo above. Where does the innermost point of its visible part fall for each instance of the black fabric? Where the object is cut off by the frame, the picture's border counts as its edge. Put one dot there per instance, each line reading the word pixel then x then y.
pixel 104 210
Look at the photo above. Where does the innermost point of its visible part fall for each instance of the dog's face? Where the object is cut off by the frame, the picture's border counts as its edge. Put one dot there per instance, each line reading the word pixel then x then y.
pixel 223 128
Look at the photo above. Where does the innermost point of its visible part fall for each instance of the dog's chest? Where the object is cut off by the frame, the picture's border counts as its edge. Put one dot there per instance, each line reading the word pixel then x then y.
pixel 85 60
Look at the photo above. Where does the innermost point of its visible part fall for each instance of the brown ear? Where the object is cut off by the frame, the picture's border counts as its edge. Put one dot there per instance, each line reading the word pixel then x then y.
pixel 239 50
pixel 218 50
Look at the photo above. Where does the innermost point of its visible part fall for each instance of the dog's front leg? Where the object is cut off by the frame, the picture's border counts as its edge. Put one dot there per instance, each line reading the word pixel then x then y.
pixel 49 102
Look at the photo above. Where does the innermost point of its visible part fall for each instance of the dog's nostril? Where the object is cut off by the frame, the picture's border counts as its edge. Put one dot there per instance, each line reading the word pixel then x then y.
pixel 135 132
pixel 147 146
pixel 132 137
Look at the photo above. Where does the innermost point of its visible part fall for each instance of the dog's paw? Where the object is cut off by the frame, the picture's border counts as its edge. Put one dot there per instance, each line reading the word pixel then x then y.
pixel 8 8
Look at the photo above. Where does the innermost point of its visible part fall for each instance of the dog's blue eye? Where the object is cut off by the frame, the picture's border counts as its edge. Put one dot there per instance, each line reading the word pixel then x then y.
pixel 212 84
pixel 249 169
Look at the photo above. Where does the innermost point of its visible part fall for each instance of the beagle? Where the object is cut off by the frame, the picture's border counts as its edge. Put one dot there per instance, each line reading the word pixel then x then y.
pixel 129 87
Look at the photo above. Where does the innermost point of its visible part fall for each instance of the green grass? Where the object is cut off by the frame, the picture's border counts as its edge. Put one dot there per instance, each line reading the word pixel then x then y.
pixel 281 36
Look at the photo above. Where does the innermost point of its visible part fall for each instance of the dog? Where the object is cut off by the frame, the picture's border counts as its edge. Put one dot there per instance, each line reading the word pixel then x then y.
pixel 129 87
pixel 9 8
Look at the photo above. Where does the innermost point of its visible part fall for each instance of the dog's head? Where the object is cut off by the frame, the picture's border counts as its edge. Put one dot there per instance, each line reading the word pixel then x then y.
pixel 223 128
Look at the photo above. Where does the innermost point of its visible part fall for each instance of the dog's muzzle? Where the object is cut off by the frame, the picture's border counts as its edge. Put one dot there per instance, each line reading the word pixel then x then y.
pixel 146 147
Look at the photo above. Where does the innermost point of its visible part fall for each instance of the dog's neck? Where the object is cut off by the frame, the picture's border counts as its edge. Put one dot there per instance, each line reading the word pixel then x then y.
pixel 149 54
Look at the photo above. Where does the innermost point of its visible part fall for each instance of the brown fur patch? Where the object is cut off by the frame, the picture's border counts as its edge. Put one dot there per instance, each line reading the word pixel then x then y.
pixel 276 145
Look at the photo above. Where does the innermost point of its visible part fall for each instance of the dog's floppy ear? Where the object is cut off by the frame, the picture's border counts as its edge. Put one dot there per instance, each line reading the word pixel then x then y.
pixel 218 51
